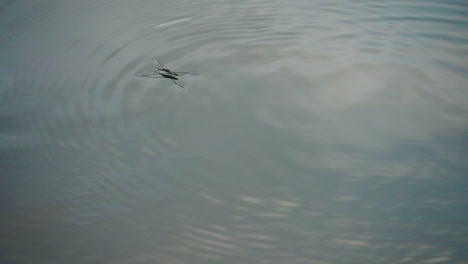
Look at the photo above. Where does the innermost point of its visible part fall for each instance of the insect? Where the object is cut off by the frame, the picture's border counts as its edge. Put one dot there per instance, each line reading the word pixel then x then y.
pixel 164 72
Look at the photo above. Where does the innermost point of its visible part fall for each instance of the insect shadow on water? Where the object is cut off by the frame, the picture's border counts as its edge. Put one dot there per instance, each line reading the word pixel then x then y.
pixel 164 72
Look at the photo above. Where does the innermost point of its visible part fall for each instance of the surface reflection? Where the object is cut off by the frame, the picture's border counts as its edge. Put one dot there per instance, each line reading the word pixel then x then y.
pixel 317 132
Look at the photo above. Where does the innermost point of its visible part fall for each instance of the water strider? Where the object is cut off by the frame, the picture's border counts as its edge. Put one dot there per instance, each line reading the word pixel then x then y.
pixel 164 72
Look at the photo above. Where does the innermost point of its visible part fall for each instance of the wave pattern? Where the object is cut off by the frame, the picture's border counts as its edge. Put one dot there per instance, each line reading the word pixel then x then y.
pixel 241 166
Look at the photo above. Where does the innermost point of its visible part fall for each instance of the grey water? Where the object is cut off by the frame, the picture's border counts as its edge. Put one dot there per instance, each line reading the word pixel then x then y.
pixel 317 132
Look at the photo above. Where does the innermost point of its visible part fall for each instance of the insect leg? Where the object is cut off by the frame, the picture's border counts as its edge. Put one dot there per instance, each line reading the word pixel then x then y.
pixel 184 73
pixel 148 76
pixel 177 84
pixel 162 65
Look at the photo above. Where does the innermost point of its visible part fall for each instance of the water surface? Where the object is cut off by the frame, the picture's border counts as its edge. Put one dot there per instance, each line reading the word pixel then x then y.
pixel 317 132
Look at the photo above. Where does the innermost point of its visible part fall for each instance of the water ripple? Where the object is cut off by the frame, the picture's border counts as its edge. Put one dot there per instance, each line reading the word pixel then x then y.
pixel 78 127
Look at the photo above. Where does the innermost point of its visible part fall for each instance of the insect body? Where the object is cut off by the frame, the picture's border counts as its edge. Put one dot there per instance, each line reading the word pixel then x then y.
pixel 169 76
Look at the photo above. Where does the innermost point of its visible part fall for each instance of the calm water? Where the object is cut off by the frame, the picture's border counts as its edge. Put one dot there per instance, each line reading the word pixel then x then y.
pixel 317 132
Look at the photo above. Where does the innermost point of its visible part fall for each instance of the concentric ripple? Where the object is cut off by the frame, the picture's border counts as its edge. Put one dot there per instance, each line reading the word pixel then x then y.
pixel 313 134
